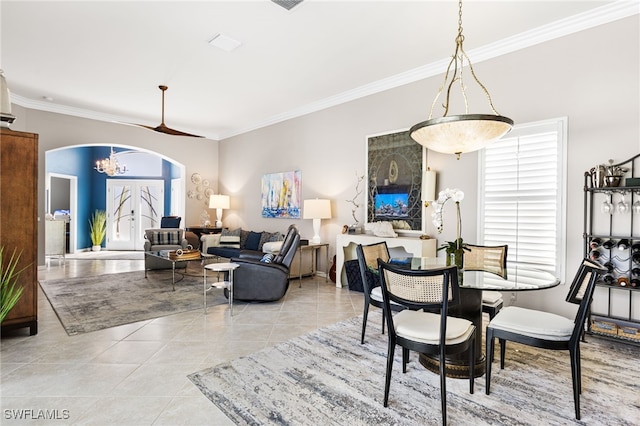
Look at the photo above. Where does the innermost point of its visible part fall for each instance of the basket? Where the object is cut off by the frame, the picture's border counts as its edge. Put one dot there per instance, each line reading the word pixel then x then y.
pixel 604 327
pixel 187 254
pixel 629 332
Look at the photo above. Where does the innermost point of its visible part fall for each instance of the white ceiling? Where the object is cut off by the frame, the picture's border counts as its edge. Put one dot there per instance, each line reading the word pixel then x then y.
pixel 105 59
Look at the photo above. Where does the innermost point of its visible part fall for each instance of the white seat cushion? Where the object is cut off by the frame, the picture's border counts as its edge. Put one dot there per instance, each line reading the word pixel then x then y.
pixel 425 327
pixel 530 322
pixel 491 297
pixel 376 294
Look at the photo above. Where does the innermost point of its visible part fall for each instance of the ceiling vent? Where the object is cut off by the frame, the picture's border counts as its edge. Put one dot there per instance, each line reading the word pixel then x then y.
pixel 287 4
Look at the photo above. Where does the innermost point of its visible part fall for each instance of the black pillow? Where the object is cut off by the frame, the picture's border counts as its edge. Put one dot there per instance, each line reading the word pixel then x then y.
pixel 253 240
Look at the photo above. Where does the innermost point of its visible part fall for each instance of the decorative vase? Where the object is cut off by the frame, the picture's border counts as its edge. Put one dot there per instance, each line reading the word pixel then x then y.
pixel 96 248
pixel 455 257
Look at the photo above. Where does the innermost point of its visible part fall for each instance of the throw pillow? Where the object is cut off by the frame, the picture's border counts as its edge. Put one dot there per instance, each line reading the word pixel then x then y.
pixel 267 258
pixel 253 241
pixel 236 232
pixel 243 238
pixel 164 237
pixel 230 241
pixel 268 237
pixel 272 247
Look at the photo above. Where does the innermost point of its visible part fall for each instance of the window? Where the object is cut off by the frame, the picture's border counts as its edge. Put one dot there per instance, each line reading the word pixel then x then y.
pixel 522 194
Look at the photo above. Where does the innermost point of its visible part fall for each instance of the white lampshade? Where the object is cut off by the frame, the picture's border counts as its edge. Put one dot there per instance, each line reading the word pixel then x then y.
pixel 428 185
pixel 219 201
pixel 316 210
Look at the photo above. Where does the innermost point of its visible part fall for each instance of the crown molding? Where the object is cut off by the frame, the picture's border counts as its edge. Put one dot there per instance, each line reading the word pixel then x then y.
pixel 573 24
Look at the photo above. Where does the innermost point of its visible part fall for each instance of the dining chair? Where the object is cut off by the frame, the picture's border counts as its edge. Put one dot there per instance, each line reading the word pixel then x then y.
pixel 546 330
pixel 418 327
pixel 491 259
pixel 368 256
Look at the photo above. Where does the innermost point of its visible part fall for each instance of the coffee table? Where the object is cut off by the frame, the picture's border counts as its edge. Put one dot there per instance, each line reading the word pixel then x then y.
pixel 163 256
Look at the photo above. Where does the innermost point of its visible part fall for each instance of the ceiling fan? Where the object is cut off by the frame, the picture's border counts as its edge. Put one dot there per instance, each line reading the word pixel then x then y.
pixel 162 128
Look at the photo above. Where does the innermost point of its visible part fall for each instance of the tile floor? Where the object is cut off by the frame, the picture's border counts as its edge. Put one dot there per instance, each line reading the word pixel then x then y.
pixel 135 374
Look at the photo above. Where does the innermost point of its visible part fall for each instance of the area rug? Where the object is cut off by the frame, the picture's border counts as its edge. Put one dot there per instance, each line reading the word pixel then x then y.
pixel 329 378
pixel 94 303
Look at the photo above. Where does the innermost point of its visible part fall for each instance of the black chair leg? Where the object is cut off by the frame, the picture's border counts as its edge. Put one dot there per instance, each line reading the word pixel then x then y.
pixel 489 359
pixel 579 369
pixel 575 378
pixel 383 321
pixel 472 365
pixel 503 350
pixel 405 359
pixel 364 321
pixel 443 388
pixel 387 380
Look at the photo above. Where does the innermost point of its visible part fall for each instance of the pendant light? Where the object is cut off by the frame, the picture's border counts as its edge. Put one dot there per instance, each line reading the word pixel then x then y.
pixel 457 134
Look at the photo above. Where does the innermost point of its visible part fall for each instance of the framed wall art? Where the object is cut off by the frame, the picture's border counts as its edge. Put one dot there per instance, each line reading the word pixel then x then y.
pixel 281 195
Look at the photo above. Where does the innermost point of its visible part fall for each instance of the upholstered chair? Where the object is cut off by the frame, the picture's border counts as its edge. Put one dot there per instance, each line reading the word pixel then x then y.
pixel 157 239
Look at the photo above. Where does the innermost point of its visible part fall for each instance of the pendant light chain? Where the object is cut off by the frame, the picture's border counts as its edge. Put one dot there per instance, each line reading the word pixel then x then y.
pixel 461 55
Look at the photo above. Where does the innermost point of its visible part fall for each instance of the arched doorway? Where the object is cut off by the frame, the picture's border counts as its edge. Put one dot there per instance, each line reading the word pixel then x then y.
pixel 78 162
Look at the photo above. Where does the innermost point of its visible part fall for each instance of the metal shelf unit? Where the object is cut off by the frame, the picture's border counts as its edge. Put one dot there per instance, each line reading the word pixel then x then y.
pixel 615 311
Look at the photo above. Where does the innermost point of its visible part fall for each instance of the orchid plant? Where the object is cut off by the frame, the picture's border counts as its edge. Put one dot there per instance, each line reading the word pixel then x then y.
pixel 457 196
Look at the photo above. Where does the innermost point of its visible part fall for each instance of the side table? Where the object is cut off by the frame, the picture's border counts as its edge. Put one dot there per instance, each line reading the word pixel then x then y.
pixel 228 283
pixel 314 248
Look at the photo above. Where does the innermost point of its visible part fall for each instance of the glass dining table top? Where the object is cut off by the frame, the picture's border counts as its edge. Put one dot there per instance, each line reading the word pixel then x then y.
pixel 512 278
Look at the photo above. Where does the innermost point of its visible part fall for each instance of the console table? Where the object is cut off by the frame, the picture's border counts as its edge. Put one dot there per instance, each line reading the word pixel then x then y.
pixel 202 230
pixel 398 247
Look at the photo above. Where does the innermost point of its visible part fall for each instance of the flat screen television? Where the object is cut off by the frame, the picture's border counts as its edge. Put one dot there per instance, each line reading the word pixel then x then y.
pixel 391 203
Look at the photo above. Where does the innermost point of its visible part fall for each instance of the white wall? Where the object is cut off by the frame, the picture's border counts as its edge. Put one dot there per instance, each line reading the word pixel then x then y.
pixel 592 77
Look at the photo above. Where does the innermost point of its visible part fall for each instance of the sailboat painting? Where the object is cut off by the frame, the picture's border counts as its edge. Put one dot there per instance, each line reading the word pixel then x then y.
pixel 281 195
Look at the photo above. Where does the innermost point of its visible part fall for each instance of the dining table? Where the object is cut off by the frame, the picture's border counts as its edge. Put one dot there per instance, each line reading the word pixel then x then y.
pixel 514 277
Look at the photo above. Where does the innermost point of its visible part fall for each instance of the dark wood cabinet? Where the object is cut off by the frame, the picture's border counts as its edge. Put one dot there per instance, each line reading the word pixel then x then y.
pixel 19 220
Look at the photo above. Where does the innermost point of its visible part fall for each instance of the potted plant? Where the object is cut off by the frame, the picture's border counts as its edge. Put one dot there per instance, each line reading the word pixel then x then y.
pixel 9 293
pixel 98 228
pixel 455 249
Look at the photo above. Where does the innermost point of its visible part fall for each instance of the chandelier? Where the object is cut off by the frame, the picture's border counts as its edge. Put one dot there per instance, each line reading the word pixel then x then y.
pixel 456 134
pixel 110 165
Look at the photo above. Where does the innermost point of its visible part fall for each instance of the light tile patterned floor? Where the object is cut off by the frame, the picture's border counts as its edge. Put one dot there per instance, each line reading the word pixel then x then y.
pixel 136 374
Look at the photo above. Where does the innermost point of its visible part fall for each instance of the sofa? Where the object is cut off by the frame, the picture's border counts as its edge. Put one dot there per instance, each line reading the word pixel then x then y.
pixel 241 243
pixel 265 279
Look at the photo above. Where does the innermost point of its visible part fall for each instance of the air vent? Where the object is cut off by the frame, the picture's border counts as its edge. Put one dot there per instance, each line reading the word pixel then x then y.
pixel 287 4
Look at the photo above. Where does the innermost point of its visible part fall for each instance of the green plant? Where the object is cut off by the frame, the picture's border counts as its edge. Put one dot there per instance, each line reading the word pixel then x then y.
pixel 9 293
pixel 98 227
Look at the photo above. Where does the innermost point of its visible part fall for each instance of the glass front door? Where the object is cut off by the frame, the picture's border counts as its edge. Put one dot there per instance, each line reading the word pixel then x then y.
pixel 132 207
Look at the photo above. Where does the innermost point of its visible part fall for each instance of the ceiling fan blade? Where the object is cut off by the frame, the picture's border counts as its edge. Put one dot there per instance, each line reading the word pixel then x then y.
pixel 162 128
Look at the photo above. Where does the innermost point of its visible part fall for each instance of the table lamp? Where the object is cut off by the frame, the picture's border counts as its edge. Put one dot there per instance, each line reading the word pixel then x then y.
pixel 316 210
pixel 219 202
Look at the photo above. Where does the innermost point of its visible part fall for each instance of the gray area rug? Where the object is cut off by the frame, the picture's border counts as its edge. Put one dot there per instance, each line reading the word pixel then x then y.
pixel 99 302
pixel 328 378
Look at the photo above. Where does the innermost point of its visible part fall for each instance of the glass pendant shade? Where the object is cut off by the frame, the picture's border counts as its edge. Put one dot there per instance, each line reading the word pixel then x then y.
pixel 460 133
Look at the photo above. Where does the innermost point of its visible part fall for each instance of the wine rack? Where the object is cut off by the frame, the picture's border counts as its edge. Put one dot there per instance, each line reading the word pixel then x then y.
pixel 612 238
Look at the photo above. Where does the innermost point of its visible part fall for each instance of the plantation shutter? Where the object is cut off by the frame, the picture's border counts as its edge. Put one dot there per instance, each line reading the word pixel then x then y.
pixel 522 196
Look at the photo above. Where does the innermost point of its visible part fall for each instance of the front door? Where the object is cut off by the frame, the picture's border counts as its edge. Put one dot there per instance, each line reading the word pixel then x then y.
pixel 132 207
